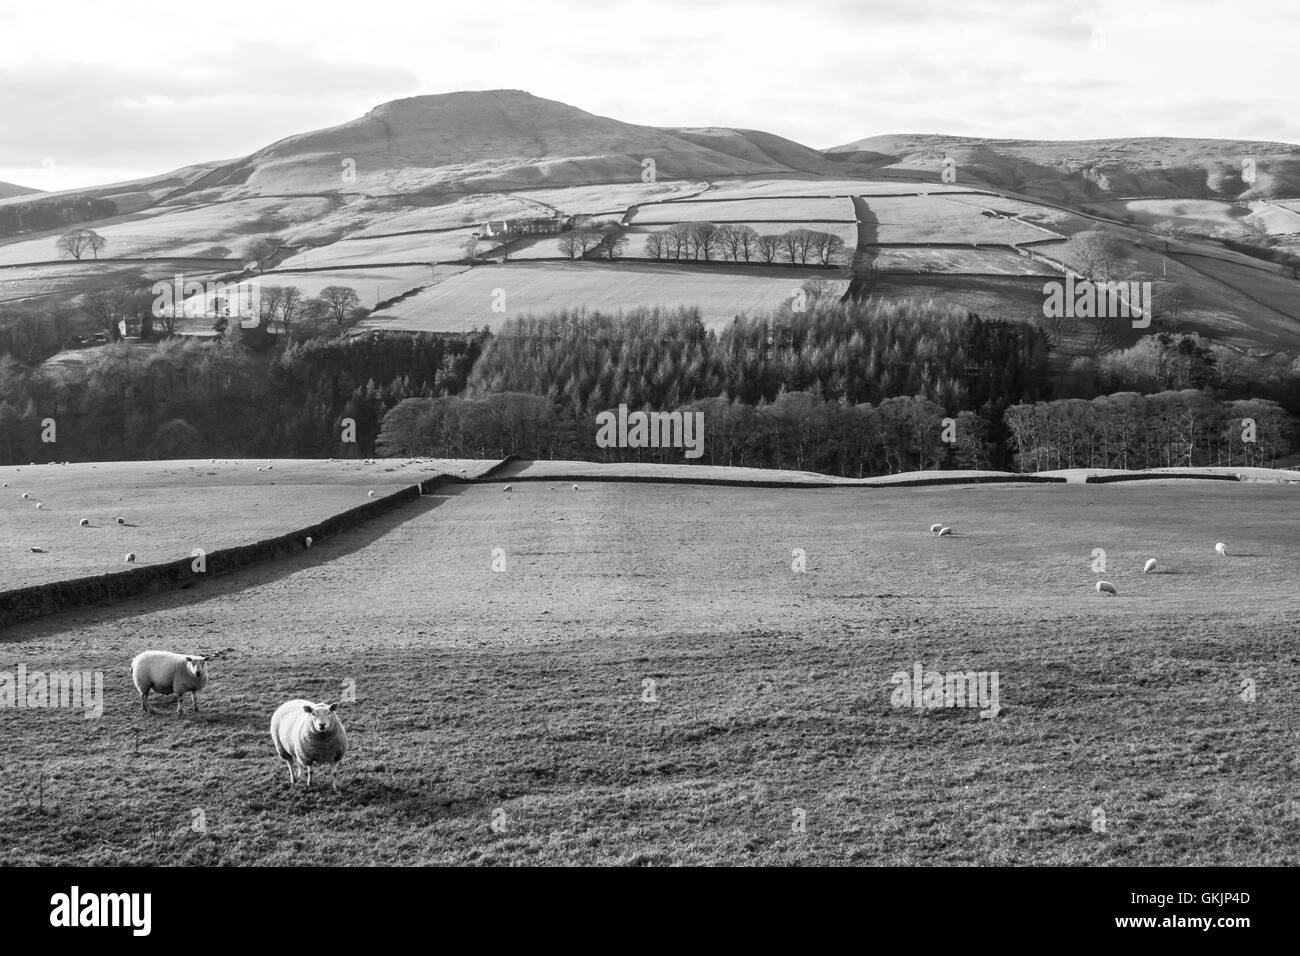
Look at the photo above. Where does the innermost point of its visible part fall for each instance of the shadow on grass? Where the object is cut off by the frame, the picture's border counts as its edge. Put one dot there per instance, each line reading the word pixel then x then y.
pixel 346 542
pixel 419 800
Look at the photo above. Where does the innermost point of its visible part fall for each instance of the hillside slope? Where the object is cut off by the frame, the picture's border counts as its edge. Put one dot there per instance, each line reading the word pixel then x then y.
pixel 1073 171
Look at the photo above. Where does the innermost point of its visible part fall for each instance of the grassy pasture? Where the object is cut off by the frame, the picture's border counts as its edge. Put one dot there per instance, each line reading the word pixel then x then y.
pixel 767 188
pixel 465 301
pixel 172 507
pixel 934 219
pixel 958 261
pixel 775 212
pixel 523 696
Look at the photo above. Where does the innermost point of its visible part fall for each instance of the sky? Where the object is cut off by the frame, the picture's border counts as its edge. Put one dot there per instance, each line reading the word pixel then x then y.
pixel 99 92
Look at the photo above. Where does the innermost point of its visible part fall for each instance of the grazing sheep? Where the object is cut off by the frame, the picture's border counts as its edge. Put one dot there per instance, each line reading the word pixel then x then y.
pixel 130 557
pixel 371 494
pixel 169 673
pixel 1149 566
pixel 39 506
pixel 305 734
pixel 259 467
pixel 1221 548
pixel 84 523
pixel 575 487
pixel 121 520
pixel 508 488
pixel 6 484
pixel 26 496
pixel 307 542
pixel 934 528
pixel 1105 587
pixel 944 531
pixel 38 551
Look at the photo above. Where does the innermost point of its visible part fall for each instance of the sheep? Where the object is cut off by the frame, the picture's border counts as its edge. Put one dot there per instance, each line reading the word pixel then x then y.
pixel 1105 587
pixel 130 557
pixel 371 493
pixel 575 487
pixel 39 506
pixel 38 551
pixel 1149 566
pixel 169 673
pixel 121 520
pixel 934 528
pixel 944 532
pixel 26 496
pixel 84 523
pixel 1221 548
pixel 307 541
pixel 508 488
pixel 305 734
pixel 259 467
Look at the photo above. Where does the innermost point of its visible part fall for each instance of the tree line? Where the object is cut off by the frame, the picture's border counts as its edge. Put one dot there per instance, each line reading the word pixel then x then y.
pixel 40 214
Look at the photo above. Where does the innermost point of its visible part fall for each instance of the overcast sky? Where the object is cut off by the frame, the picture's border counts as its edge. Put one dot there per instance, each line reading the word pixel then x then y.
pixel 106 91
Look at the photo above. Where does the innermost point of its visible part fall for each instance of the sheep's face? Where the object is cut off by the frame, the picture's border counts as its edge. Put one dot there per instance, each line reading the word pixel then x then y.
pixel 322 716
pixel 198 666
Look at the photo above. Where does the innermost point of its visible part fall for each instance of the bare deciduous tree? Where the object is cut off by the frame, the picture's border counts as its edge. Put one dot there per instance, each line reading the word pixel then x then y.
pixel 78 242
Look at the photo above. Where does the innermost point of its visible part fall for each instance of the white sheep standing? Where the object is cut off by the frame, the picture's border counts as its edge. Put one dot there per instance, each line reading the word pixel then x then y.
pixel 508 488
pixel 169 673
pixel 944 532
pixel 39 506
pixel 121 520
pixel 26 496
pixel 934 528
pixel 305 734
pixel 130 557
pixel 307 541
pixel 1105 587
pixel 84 523
pixel 1221 548
pixel 575 487
pixel 371 494
pixel 1149 566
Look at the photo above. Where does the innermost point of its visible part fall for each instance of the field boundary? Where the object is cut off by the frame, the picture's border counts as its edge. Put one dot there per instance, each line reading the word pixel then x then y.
pixel 1148 476
pixel 39 600
pixel 490 478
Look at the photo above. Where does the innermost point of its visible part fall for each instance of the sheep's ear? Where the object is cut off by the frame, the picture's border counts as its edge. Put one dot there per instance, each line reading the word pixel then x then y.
pixel 306 709
pixel 333 707
pixel 189 659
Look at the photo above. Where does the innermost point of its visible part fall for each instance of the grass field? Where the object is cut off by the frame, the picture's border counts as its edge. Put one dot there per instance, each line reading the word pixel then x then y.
pixel 772 211
pixel 934 219
pixel 959 261
pixel 171 507
pixel 466 301
pixel 767 188
pixel 649 682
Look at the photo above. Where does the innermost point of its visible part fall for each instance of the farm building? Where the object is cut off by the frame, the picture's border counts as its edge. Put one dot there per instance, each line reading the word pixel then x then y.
pixel 526 226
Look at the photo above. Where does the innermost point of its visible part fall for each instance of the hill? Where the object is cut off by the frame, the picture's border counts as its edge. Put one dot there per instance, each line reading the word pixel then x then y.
pixel 8 190
pixel 1081 170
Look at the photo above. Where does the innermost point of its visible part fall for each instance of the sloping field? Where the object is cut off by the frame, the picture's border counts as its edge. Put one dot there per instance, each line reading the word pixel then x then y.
pixel 932 219
pixel 1208 217
pixel 647 680
pixel 372 285
pixel 421 247
pixel 766 188
pixel 33 283
pixel 466 301
pixel 172 507
pixel 747 210
pixel 960 261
